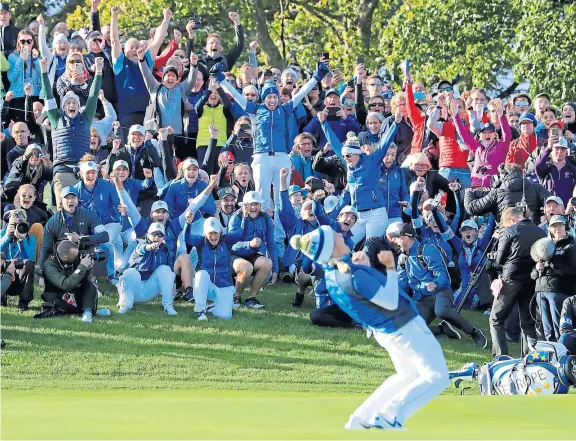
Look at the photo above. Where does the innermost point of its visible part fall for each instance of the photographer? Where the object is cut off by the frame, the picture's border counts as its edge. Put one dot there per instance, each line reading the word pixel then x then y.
pixel 513 254
pixel 556 278
pixel 74 223
pixel 68 289
pixel 18 248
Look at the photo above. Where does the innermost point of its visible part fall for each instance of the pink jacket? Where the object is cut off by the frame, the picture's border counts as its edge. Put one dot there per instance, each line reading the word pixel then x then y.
pixel 485 157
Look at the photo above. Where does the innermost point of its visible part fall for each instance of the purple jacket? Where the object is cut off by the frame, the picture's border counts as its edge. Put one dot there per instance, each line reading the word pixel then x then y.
pixel 561 181
pixel 490 157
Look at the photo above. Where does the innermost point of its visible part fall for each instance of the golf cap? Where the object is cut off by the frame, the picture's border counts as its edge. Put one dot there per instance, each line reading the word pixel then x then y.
pixel 294 189
pixel 227 155
pixel 488 127
pixel 469 223
pixel 227 191
pixel 407 230
pixel 330 92
pixel 554 199
pixel 349 209
pixel 156 227
pixel 308 202
pixel 428 202
pixel 330 203
pixel 212 225
pixel 394 230
pixel 562 143
pixel 527 117
pixel 33 147
pixel 120 163
pixel 5 7
pixel 252 197
pixel 68 190
pixel 137 128
pixel 558 123
pixel 159 205
pixel 88 166
pixel 189 163
pixel 94 34
pixel 557 219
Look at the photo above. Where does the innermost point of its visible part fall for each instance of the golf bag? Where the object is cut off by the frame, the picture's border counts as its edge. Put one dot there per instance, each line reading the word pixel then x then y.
pixel 549 369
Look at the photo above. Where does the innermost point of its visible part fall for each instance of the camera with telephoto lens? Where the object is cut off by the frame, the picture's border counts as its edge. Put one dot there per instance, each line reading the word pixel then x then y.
pixel 22 228
pixel 96 256
pixel 18 263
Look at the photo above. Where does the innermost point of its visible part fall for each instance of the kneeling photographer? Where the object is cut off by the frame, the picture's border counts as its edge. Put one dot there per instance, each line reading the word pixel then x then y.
pixel 18 248
pixel 68 289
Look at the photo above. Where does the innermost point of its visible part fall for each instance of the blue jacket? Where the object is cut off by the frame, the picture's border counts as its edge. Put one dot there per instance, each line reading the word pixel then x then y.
pixel 214 260
pixel 364 187
pixel 292 224
pixel 146 262
pixel 241 230
pixel 394 189
pixel 173 230
pixel 17 249
pixel 414 276
pixel 102 200
pixel 178 194
pixel 18 71
pixel 304 166
pixel 324 219
pixel 295 120
pixel 134 186
pixel 356 291
pixel 339 127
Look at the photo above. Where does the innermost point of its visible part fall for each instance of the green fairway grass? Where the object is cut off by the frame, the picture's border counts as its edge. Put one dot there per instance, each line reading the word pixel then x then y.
pixel 263 374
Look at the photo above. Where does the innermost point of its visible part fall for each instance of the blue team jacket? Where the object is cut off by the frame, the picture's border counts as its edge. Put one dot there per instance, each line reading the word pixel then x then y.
pixel 146 262
pixel 18 249
pixel 173 229
pixel 413 275
pixel 102 200
pixel 214 260
pixel 365 282
pixel 179 192
pixel 241 230
pixel 394 189
pixel 363 183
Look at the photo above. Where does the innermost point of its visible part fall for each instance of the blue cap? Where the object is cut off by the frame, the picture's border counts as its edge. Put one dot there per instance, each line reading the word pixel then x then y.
pixel 488 127
pixel 527 117
pixel 68 190
pixel 294 189
pixel 330 91
pixel 269 87
pixel 387 94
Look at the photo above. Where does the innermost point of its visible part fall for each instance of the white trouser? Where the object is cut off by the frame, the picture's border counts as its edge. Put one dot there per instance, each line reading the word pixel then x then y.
pixel 205 290
pixel 266 172
pixel 133 289
pixel 114 244
pixel 421 373
pixel 371 223
pixel 129 238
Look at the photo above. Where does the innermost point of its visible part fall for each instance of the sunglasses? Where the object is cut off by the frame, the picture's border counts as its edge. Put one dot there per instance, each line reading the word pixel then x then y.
pixel 74 61
pixel 157 234
pixel 26 41
pixel 348 155
pixel 375 84
pixel 371 105
pixel 446 89
pixel 36 155
pixel 97 40
pixel 349 103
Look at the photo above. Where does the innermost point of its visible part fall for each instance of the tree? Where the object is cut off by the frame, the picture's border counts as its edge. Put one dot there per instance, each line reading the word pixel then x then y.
pixel 25 10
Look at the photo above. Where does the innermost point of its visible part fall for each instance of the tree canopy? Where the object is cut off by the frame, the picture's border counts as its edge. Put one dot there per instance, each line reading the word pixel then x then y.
pixel 471 42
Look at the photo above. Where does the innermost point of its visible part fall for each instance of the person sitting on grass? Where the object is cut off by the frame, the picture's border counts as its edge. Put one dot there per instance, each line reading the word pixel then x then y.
pixel 213 279
pixel 150 273
pixel 252 232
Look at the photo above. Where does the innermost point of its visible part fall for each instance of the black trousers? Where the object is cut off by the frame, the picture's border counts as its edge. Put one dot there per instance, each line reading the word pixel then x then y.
pixel 23 285
pixel 440 305
pixel 86 297
pixel 331 316
pixel 516 292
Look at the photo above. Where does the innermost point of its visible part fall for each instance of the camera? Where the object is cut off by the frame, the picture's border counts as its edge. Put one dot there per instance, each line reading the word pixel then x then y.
pixel 22 228
pixel 573 202
pixel 96 256
pixel 197 20
pixel 18 263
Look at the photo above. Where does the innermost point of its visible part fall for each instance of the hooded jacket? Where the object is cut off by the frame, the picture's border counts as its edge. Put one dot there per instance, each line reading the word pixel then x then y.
pixel 508 193
pixel 559 275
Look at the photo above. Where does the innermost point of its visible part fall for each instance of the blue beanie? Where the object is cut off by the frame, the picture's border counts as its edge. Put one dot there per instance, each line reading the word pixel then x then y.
pixel 269 87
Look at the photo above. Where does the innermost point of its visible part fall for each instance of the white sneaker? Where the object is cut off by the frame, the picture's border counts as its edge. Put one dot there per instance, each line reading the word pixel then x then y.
pixel 356 423
pixel 123 310
pixel 104 312
pixel 380 422
pixel 170 310
pixel 87 317
pixel 202 316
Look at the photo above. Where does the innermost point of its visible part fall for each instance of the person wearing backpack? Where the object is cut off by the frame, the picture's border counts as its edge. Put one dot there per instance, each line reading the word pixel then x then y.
pixel 423 274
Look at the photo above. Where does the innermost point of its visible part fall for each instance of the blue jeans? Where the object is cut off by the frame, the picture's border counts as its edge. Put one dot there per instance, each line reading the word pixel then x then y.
pixel 550 305
pixel 463 174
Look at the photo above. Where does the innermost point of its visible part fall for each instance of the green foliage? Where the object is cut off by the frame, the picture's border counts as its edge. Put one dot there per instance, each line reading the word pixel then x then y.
pixel 25 10
pixel 545 48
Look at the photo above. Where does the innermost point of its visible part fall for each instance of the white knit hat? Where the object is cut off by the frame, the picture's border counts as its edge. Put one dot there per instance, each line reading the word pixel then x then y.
pixel 351 145
pixel 70 96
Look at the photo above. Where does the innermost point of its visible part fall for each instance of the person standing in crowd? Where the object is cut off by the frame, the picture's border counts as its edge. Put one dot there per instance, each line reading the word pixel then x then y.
pixel 567 324
pixel 556 278
pixel 226 205
pixel 366 195
pixel 393 185
pixel 555 172
pixel 70 129
pixel 513 255
pixel 521 148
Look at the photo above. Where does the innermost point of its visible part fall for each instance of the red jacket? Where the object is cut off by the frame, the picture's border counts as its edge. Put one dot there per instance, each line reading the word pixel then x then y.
pixel 451 155
pixel 417 119
pixel 521 149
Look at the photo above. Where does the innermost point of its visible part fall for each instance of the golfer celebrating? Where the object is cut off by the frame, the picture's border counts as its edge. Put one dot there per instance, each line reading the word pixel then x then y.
pixel 375 301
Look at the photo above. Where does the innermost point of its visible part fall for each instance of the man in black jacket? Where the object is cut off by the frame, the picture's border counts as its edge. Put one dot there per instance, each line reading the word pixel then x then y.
pixel 511 188
pixel 568 324
pixel 330 166
pixel 555 279
pixel 513 255
pixel 74 223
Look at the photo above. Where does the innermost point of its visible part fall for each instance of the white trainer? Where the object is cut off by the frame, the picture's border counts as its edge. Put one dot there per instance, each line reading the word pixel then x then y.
pixel 123 310
pixel 170 310
pixel 380 422
pixel 356 423
pixel 87 317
